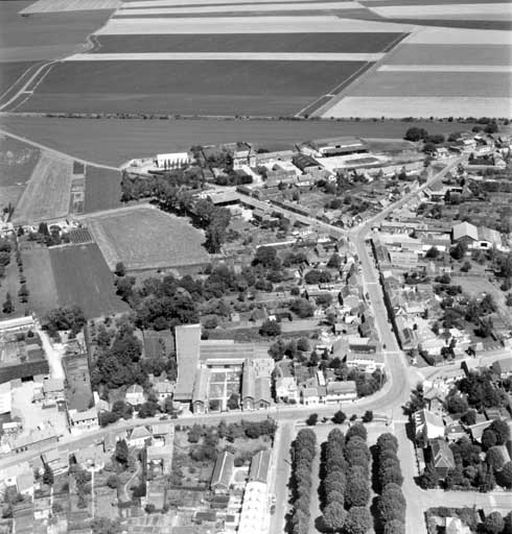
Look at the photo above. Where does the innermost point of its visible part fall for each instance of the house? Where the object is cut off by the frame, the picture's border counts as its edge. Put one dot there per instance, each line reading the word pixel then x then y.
pixel 367 362
pixel 56 461
pixel 285 383
pixel 341 391
pixel 260 466
pixel 222 472
pixel 200 391
pixel 255 388
pixel 139 436
pixel 476 238
pixel 135 395
pixel 92 458
pixel 428 426
pixel 441 456
pixel 310 396
pixel 502 368
pixel 86 420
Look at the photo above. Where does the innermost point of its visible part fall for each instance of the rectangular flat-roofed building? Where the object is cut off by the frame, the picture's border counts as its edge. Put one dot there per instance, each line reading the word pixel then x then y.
pixel 187 338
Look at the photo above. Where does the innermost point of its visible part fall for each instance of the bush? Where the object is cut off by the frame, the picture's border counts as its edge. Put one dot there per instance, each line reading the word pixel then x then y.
pixel 357 429
pixel 391 504
pixel 358 521
pixel 333 517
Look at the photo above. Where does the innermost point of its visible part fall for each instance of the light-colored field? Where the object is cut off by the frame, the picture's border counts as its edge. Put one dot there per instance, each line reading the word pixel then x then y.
pixel 420 107
pixel 47 193
pixel 146 238
pixel 223 56
pixel 432 54
pixel 300 6
pixel 452 36
pixel 448 11
pixel 186 3
pixel 240 25
pixel 423 83
pixel 445 68
pixel 54 6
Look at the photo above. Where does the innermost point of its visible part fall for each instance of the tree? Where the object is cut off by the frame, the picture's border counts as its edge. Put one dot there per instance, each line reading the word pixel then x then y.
pixel 358 521
pixel 432 253
pixel 456 404
pixel 415 134
pixel 508 524
pixel 312 419
pixel 48 477
pixel 458 251
pixel 302 308
pixel 357 492
pixel 64 318
pixel 122 454
pixel 8 306
pixel 367 417
pixel 270 328
pixel 494 458
pixel 339 417
pixel 148 409
pixel 357 429
pixel 168 406
pixel 233 401
pixel 501 430
pixel 120 269
pixel 334 516
pixel 103 525
pixel 113 481
pixel 334 261
pixel 505 476
pixel 430 477
pixel 489 439
pixel 391 504
pixel 493 523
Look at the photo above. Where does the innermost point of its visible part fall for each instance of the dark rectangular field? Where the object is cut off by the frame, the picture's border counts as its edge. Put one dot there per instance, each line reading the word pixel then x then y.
pixel 102 189
pixel 257 42
pixel 84 279
pixel 259 88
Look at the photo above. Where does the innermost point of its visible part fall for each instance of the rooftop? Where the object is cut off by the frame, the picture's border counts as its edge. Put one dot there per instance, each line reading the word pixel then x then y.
pixel 187 338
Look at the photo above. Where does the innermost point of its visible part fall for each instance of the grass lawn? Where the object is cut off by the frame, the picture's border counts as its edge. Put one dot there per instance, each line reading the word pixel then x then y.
pixel 17 161
pixel 259 88
pixel 40 281
pixel 102 189
pixel 257 42
pixel 145 238
pixel 84 279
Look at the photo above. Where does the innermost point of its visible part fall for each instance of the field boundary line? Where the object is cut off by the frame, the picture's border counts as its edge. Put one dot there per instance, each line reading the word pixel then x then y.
pixel 389 52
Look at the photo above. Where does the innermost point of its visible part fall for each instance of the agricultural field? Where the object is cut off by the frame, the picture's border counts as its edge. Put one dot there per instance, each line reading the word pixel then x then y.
pixel 128 139
pixel 146 238
pixel 40 280
pixel 191 87
pixel 84 279
pixel 17 161
pixel 102 189
pixel 434 72
pixel 47 193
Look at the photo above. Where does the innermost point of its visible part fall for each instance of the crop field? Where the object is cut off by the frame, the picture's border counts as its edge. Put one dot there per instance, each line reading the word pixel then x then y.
pixel 47 193
pixel 40 280
pixel 83 279
pixel 198 87
pixel 350 42
pixel 17 161
pixel 102 189
pixel 10 71
pixel 144 138
pixel 55 6
pixel 146 238
pixel 435 72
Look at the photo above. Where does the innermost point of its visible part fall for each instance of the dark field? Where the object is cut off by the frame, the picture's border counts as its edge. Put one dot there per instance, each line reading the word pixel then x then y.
pixel 102 189
pixel 84 279
pixel 10 71
pixel 261 88
pixel 62 29
pixel 286 42
pixel 127 139
pixel 503 25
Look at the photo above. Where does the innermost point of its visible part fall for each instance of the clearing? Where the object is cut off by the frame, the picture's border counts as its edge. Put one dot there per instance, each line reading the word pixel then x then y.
pixel 143 238
pixel 47 193
pixel 102 189
pixel 84 279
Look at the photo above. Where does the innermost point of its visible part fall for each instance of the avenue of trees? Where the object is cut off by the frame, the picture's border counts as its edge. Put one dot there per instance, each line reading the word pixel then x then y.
pixel 303 451
pixel 345 484
pixel 391 502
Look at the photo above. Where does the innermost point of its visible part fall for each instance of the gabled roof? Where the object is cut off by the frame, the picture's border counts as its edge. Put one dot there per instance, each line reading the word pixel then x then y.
pixel 260 466
pixel 465 229
pixel 223 470
pixel 140 432
pixel 442 455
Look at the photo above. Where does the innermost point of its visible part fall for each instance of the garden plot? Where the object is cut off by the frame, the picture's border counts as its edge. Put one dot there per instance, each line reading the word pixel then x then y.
pixel 146 238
